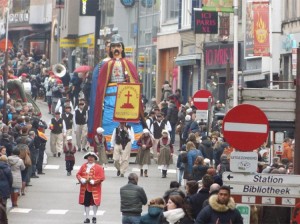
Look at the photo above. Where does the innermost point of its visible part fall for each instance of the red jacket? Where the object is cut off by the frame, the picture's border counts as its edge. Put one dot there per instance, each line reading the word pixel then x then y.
pixel 97 174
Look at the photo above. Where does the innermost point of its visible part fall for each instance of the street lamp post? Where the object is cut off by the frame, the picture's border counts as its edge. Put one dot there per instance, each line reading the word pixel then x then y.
pixel 5 74
pixel 137 34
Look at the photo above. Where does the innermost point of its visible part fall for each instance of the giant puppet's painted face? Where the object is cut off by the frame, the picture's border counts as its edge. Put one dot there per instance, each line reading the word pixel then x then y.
pixel 116 49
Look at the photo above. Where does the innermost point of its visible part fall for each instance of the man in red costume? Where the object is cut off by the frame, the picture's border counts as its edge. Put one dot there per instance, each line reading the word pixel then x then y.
pixel 117 70
pixel 90 176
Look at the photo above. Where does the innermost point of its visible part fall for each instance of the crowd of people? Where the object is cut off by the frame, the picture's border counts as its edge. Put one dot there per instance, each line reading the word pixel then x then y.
pixel 197 196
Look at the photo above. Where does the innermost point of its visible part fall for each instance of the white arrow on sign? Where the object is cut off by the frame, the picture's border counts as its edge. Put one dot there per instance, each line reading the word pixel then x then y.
pixel 262 179
pixel 259 190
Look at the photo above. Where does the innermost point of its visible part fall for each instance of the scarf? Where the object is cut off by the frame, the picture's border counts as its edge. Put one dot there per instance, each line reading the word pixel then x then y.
pixel 89 166
pixel 174 215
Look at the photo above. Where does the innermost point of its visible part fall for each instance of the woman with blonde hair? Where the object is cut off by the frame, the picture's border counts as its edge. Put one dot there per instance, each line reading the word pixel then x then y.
pixel 192 154
pixel 155 209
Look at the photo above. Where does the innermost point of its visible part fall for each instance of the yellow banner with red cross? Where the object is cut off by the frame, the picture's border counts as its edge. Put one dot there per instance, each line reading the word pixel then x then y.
pixel 128 102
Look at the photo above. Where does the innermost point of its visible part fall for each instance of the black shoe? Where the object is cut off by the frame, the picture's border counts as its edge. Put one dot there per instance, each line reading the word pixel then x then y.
pixel 34 176
pixel 118 173
pixel 68 173
pixel 58 154
pixel 41 173
pixel 54 155
pixel 94 220
pixel 84 149
pixel 49 112
pixel 87 220
pixel 122 175
pixel 79 149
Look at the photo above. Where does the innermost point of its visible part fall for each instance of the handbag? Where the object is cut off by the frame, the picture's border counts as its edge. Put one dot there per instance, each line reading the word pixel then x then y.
pixel 27 160
pixel 45 159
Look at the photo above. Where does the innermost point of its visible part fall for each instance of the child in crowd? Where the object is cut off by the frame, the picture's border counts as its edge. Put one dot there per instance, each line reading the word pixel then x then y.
pixel 69 150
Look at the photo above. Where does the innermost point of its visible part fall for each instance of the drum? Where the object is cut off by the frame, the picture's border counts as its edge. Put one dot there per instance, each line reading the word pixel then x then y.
pixel 27 87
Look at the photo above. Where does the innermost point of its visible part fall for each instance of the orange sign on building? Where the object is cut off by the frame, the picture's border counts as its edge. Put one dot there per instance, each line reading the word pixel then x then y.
pixel 261 29
pixel 128 101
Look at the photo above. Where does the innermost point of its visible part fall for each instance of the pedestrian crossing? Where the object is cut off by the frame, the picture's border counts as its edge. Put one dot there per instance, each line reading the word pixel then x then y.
pixel 53 211
pixel 107 168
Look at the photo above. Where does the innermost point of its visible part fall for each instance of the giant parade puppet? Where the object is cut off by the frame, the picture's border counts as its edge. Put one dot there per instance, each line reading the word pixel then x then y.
pixel 114 83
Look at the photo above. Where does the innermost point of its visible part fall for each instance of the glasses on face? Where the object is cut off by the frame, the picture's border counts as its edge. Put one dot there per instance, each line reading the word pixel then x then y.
pixel 115 45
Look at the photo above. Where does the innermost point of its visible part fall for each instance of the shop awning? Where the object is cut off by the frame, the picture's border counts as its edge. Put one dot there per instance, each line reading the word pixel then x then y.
pixel 190 59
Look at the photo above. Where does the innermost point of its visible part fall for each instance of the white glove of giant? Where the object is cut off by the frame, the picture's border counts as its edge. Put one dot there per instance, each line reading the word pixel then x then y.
pixel 83 180
pixel 92 182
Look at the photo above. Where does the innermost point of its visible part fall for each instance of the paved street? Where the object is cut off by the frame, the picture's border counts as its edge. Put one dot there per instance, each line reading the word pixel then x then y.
pixel 53 198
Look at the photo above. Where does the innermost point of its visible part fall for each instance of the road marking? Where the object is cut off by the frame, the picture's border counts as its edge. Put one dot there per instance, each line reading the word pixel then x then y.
pixel 110 169
pixel 99 212
pixel 57 212
pixel 56 167
pixel 51 167
pixel 76 167
pixel 20 210
pixel 245 127
pixel 171 171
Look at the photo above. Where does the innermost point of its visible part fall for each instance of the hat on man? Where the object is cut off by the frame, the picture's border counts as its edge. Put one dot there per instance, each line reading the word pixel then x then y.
pixel 91 154
pixel 187 117
pixel 57 112
pixel 116 39
pixel 100 130
pixel 145 131
pixel 188 111
pixel 69 137
pixel 164 131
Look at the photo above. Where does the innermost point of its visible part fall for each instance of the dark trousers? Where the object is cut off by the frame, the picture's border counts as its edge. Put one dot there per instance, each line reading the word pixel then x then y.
pixel 34 158
pixel 69 165
pixel 39 164
pixel 172 133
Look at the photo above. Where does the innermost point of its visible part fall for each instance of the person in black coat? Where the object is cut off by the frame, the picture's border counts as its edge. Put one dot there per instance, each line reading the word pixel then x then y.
pixel 7 144
pixel 221 209
pixel 6 179
pixel 197 200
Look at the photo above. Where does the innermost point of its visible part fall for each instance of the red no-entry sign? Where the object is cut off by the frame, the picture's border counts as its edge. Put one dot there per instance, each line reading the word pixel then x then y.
pixel 200 99
pixel 245 127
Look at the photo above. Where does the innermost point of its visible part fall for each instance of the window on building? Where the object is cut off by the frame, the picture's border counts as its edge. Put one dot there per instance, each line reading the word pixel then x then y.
pixel 186 14
pixel 171 10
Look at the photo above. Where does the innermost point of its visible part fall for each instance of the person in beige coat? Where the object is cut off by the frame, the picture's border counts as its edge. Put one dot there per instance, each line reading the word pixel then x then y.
pixel 16 165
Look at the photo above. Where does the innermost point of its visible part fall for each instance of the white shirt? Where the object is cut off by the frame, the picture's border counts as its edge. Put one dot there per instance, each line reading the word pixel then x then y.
pixel 59 107
pixel 130 135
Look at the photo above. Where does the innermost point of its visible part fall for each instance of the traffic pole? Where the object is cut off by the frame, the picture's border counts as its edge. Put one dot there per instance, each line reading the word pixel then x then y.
pixel 297 118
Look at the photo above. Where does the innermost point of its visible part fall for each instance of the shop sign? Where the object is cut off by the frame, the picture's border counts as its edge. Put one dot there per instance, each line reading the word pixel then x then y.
pixel 128 3
pixel 206 22
pixel 59 4
pixel 88 7
pixel 215 56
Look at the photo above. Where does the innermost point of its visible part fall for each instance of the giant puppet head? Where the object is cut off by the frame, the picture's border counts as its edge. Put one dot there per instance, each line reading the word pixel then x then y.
pixel 116 47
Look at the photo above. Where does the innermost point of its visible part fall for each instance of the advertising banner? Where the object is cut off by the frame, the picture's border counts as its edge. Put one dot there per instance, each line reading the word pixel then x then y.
pixel 218 6
pixel 261 29
pixel 128 101
pixel 249 30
